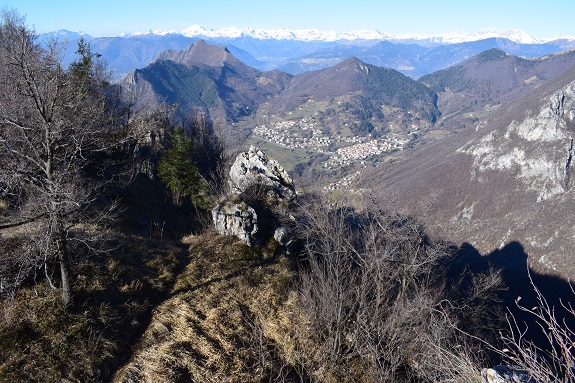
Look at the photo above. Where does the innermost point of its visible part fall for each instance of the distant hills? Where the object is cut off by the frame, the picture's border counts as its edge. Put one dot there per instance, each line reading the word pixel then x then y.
pixel 299 51
pixel 351 93
pixel 412 59
pixel 360 97
pixel 489 79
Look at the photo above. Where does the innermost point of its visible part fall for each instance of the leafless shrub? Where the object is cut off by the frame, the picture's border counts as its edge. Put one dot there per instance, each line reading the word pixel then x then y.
pixel 553 358
pixel 372 301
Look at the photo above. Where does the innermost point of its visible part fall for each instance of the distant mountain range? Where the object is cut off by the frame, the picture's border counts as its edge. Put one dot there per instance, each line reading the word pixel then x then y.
pixel 453 37
pixel 212 79
pixel 300 51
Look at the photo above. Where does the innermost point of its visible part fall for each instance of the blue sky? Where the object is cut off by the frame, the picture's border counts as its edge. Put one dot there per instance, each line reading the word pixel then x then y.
pixel 110 18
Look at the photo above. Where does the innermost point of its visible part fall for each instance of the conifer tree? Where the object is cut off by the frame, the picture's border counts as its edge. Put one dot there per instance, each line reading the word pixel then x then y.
pixel 179 172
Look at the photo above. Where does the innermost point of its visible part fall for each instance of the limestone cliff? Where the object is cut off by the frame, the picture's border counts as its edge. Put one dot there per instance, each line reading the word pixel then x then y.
pixel 536 150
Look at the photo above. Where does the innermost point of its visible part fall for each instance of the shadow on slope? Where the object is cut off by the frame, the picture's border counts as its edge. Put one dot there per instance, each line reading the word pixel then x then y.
pixel 519 280
pixel 148 211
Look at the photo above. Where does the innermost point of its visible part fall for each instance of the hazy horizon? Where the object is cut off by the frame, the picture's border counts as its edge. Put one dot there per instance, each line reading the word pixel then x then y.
pixel 107 18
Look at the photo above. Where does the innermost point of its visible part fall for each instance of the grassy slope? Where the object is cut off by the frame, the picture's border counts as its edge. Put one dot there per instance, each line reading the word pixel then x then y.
pixel 41 341
pixel 211 329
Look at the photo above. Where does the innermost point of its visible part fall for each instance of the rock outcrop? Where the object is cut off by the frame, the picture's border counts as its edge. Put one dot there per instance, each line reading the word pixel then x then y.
pixel 504 374
pixel 261 191
pixel 254 167
pixel 536 150
pixel 239 220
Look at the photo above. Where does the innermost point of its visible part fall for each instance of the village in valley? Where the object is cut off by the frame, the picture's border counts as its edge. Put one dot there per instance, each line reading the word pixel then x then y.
pixel 306 134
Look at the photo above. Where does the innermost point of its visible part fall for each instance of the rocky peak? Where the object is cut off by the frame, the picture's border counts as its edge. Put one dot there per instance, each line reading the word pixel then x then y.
pixel 353 64
pixel 200 52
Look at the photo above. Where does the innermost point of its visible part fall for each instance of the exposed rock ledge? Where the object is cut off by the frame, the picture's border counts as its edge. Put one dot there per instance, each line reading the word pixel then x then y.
pixel 504 374
pixel 239 220
pixel 255 221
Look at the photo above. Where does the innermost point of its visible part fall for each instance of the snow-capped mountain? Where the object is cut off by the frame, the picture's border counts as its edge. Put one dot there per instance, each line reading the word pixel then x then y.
pixel 456 37
pixel 271 34
pixel 317 35
pixel 453 37
pixel 297 51
pixel 64 34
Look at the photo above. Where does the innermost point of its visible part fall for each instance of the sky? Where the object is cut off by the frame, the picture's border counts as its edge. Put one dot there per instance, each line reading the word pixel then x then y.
pixel 112 18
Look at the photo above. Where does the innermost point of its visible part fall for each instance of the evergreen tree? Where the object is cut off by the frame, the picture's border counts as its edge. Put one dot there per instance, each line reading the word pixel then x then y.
pixel 179 172
pixel 84 68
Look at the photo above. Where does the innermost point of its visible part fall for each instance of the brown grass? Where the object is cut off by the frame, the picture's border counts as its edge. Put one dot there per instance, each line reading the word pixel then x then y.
pixel 211 329
pixel 41 341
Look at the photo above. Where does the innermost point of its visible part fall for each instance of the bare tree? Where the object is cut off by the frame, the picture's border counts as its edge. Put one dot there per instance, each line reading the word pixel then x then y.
pixel 52 124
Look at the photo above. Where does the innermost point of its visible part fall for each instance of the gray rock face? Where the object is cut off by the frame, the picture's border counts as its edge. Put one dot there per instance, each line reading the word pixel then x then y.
pixel 536 151
pixel 254 166
pixel 238 220
pixel 504 374
pixel 251 215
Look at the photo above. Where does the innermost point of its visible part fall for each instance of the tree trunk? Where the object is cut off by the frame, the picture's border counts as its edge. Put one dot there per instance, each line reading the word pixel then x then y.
pixel 63 260
pixel 66 294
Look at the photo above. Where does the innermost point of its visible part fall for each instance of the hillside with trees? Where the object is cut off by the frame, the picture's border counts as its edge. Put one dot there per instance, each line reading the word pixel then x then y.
pixel 488 80
pixel 203 79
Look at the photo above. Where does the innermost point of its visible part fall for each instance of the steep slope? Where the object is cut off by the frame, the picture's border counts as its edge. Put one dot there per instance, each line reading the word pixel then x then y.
pixel 510 179
pixel 353 94
pixel 491 78
pixel 204 78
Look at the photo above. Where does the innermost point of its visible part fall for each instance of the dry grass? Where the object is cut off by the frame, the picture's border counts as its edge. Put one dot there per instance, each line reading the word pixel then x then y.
pixel 211 329
pixel 233 313
pixel 41 341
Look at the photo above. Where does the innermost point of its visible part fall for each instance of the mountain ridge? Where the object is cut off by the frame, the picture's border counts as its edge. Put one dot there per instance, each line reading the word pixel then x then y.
pixel 358 91
pixel 451 37
pixel 203 78
pixel 491 78
pixel 415 58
